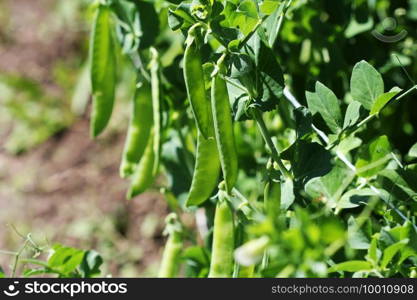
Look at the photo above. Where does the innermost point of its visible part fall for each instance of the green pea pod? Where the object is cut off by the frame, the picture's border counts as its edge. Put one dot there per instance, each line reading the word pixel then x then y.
pixel 139 130
pixel 173 247
pixel 103 70
pixel 144 176
pixel 223 241
pixel 223 128
pixel 206 171
pixel 157 111
pixel 272 199
pixel 194 81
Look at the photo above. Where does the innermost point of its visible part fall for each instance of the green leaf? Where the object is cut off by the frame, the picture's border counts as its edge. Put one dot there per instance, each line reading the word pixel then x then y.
pixel 197 254
pixel 268 7
pixel 404 179
pixel 65 260
pixel 197 261
pixel 354 198
pixel 303 121
pixel 352 114
pixel 390 252
pixel 91 263
pixel 373 158
pixel 356 27
pixel 270 77
pixel 330 187
pixel 325 102
pixel 248 8
pixel 309 160
pixel 366 84
pixel 374 254
pixel 413 151
pixel 348 144
pixel 2 274
pixel 271 24
pixel 287 194
pixel 382 100
pixel 265 84
pixel 241 65
pixel 242 15
pixel 351 266
pixel 356 238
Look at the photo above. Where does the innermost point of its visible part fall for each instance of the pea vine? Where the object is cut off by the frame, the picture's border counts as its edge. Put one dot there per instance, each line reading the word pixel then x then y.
pixel 278 188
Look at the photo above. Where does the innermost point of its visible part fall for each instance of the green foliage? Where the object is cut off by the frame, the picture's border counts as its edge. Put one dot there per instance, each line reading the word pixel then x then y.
pixel 67 262
pixel 60 261
pixel 322 189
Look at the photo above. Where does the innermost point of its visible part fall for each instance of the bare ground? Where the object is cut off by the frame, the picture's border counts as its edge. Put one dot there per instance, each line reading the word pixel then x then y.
pixel 67 190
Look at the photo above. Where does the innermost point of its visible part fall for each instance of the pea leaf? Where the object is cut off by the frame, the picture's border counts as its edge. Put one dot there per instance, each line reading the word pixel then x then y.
pixel 373 158
pixel 91 263
pixel 65 260
pixel 330 187
pixel 242 15
pixel 354 198
pixel 351 266
pixel 325 102
pixel 413 151
pixel 287 194
pixel 391 251
pixel 180 17
pixel 357 27
pixel 374 254
pixel 266 83
pixel 309 160
pixel 356 238
pixel 303 121
pixel 348 144
pixel 382 100
pixel 406 180
pixel 271 24
pixel 366 84
pixel 352 114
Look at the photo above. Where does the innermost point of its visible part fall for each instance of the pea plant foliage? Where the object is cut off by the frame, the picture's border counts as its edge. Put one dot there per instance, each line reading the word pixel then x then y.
pixel 256 117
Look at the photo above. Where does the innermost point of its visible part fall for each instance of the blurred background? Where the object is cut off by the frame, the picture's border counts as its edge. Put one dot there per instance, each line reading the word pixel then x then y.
pixel 55 181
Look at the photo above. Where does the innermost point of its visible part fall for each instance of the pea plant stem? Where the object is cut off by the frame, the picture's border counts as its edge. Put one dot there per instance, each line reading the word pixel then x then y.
pixel 282 16
pixel 406 93
pixel 265 134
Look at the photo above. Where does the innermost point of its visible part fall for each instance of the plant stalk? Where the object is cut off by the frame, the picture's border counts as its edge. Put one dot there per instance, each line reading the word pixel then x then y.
pixel 265 134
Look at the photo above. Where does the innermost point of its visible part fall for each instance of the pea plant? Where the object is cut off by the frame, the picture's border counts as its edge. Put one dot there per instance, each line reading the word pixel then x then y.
pixel 286 176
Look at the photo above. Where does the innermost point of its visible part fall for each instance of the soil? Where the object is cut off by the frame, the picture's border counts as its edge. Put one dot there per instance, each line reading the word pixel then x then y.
pixel 68 189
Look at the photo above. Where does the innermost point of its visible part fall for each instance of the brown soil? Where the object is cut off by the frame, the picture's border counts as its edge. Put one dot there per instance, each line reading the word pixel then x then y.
pixel 68 189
